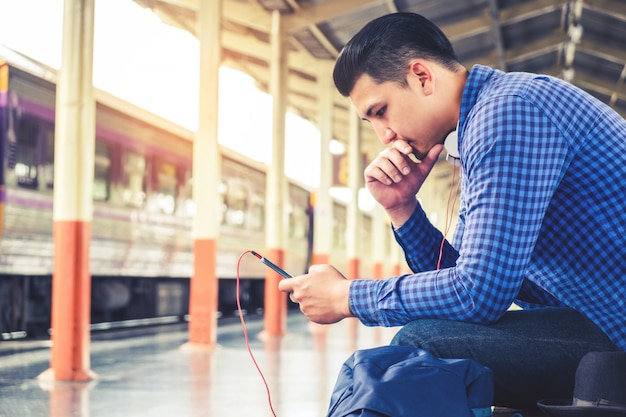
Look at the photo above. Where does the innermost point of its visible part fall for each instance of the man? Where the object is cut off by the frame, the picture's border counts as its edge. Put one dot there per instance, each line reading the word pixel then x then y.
pixel 542 219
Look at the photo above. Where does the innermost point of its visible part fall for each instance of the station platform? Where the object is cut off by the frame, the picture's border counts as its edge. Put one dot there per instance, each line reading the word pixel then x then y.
pixel 152 372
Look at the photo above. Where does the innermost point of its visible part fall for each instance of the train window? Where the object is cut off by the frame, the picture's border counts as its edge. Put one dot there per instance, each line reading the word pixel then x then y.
pixel 101 177
pixel 48 156
pixel 366 233
pixel 297 221
pixel 339 234
pixel 223 191
pixel 23 155
pixel 257 212
pixel 236 205
pixel 339 226
pixel 134 179
pixel 185 207
pixel 166 187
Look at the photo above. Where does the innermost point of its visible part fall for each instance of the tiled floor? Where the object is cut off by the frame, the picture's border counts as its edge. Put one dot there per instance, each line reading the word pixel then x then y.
pixel 152 375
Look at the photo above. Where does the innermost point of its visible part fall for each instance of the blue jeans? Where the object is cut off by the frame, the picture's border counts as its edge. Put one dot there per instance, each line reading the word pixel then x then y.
pixel 533 353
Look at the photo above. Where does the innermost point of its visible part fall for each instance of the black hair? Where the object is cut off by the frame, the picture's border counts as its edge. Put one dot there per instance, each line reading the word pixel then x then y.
pixel 383 48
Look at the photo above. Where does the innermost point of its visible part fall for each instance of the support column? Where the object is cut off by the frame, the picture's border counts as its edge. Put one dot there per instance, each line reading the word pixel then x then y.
pixel 381 245
pixel 206 179
pixel 380 234
pixel 275 301
pixel 355 180
pixel 74 151
pixel 323 207
pixel 396 259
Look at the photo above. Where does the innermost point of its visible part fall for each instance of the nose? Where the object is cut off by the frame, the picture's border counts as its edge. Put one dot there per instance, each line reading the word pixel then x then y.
pixel 385 134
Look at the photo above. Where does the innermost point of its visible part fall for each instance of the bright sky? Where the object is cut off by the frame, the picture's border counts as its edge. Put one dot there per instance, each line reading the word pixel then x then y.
pixel 155 66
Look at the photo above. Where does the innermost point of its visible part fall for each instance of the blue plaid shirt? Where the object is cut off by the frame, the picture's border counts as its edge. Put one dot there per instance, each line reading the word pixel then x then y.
pixel 542 219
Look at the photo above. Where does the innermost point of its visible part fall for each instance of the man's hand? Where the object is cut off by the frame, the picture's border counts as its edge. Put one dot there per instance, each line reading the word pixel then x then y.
pixel 394 179
pixel 322 294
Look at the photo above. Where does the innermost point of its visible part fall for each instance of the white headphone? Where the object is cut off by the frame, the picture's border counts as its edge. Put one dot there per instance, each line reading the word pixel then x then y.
pixel 451 143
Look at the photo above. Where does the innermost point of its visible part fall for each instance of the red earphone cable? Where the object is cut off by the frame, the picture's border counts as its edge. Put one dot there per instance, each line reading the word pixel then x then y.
pixel 245 334
pixel 449 211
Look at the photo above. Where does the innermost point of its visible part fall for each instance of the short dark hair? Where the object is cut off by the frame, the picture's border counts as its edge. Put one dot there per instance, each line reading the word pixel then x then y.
pixel 384 46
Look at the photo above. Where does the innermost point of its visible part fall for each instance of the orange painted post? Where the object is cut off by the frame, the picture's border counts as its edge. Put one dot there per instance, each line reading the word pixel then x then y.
pixel 396 253
pixel 379 270
pixel 275 311
pixel 203 298
pixel 320 258
pixel 71 292
pixel 203 294
pixel 73 206
pixel 275 301
pixel 353 268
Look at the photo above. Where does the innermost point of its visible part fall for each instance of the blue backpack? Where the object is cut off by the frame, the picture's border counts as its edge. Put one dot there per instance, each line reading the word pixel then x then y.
pixel 402 381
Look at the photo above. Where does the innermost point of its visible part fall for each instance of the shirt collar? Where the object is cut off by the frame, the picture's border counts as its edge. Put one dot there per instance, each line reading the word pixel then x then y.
pixel 478 76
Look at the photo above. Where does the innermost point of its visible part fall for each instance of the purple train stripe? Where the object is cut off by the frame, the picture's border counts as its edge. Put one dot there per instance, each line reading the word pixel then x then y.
pixel 42 202
pixel 36 202
pixel 36 109
pixel 110 136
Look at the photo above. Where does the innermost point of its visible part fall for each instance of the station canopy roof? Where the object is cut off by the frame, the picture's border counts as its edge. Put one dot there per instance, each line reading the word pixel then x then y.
pixel 582 41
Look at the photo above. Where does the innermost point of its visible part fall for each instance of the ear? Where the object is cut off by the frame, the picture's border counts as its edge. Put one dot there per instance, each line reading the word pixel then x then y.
pixel 421 72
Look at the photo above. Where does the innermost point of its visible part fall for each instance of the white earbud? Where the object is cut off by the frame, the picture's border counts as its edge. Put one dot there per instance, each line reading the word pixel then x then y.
pixel 451 143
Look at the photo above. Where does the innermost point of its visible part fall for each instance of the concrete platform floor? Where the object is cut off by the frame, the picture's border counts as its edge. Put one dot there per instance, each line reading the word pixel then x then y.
pixel 148 372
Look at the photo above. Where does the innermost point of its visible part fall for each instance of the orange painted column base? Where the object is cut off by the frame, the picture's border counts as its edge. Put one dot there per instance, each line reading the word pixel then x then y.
pixel 379 270
pixel 275 311
pixel 203 295
pixel 71 303
pixel 320 259
pixel 353 268
pixel 319 330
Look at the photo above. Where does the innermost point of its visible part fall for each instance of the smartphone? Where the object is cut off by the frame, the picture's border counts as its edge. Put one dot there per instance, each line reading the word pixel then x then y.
pixel 272 265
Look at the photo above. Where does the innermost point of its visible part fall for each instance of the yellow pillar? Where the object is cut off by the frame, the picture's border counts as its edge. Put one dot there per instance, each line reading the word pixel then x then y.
pixel 323 208
pixel 355 176
pixel 206 179
pixel 73 206
pixel 380 236
pixel 275 301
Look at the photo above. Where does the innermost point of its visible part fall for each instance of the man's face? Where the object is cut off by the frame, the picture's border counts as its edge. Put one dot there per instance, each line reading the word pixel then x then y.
pixel 398 113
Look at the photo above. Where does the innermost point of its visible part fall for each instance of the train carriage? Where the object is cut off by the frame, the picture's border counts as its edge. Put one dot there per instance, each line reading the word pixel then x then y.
pixel 141 249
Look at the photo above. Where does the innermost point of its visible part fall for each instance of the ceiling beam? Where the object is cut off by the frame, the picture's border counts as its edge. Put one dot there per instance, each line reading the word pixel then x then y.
pixel 303 99
pixel 617 7
pixel 496 30
pixel 320 12
pixel 246 25
pixel 391 6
